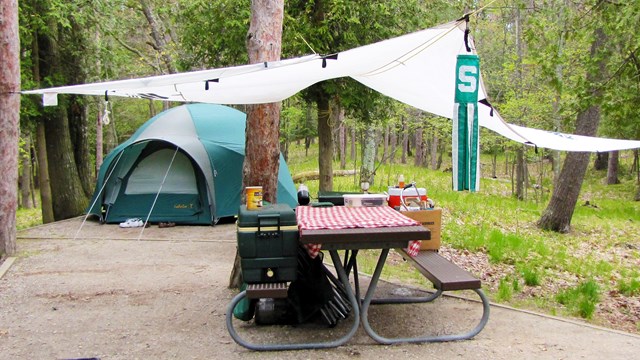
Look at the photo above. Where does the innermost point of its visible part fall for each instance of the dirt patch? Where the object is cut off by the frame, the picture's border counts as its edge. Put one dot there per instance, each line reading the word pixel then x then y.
pixel 100 292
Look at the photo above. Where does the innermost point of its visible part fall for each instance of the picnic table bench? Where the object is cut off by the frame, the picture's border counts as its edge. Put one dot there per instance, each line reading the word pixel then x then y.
pixel 445 276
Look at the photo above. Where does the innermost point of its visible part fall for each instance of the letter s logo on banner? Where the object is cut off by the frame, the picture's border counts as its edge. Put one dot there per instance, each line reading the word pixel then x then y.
pixel 468 80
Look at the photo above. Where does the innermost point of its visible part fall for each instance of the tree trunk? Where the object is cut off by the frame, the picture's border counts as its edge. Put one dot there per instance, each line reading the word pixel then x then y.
pixel 325 145
pixel 343 145
pixel 405 141
pixel 419 158
pixel 494 165
pixel 308 139
pixel 25 177
pixel 434 151
pixel 9 124
pixel 262 149
pixel 612 168
pixel 99 141
pixel 557 215
pixel 368 155
pixel 78 128
pixel 385 144
pixel 602 161
pixel 157 33
pixel 520 176
pixel 353 143
pixel 393 144
pixel 46 201
pixel 70 199
pixel 337 116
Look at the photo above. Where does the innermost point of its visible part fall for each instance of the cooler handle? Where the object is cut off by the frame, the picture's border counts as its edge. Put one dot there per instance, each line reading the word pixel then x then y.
pixel 263 220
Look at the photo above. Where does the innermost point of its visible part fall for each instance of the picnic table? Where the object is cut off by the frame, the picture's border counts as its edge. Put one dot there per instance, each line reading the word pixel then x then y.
pixel 349 230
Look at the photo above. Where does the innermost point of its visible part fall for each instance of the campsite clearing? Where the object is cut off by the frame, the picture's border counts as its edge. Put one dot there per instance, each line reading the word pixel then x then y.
pixel 108 295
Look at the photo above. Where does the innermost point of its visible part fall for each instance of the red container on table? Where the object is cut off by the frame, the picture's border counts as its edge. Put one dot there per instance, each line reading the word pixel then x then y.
pixel 407 194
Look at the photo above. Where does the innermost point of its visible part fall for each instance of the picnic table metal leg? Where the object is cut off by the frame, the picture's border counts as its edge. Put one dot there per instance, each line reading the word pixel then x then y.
pixel 440 338
pixel 301 346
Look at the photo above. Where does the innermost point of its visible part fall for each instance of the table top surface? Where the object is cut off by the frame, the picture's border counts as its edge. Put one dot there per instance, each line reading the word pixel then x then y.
pixel 355 229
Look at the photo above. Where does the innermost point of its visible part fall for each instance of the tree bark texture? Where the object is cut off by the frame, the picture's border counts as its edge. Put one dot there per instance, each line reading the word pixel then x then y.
pixel 325 145
pixel 99 141
pixel 520 174
pixel 46 202
pixel 557 216
pixel 419 158
pixel 393 144
pixel 70 199
pixel 9 124
pixel 78 128
pixel 434 152
pixel 343 146
pixel 601 161
pixel 26 175
pixel 405 141
pixel 262 157
pixel 262 149
pixel 157 33
pixel 368 156
pixel 612 168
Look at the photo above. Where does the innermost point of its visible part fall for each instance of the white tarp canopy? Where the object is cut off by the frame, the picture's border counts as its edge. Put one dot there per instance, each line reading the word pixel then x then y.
pixel 417 69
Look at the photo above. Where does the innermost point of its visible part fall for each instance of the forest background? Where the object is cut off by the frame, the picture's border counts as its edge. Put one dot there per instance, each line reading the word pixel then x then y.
pixel 545 63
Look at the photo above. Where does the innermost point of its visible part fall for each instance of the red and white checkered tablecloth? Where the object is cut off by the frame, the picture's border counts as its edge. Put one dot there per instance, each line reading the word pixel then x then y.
pixel 341 217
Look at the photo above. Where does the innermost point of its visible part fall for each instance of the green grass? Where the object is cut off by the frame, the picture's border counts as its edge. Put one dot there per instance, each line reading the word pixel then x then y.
pixel 629 287
pixel 26 218
pixel 581 300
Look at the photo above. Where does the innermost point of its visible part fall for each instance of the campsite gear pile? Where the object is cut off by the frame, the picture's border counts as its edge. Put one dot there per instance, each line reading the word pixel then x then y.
pixel 183 166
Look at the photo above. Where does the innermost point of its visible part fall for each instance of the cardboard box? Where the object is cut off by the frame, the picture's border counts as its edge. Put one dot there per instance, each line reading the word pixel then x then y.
pixel 432 220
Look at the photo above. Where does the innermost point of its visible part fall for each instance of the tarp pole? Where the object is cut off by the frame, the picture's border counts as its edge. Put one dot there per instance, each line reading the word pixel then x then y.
pixel 158 193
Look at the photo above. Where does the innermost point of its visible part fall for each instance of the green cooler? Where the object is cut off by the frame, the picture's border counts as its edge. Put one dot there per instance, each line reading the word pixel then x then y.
pixel 268 244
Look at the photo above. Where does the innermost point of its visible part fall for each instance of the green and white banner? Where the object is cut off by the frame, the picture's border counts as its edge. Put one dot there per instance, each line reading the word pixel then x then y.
pixel 466 136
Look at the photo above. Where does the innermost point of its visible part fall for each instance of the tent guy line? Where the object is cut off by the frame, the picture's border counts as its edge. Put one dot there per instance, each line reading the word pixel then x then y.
pixel 417 69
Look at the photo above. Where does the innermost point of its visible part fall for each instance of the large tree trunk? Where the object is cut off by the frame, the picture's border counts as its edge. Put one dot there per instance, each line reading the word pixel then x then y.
pixel 368 155
pixel 262 149
pixel 46 201
pixel 601 162
pixel 78 128
pixel 612 168
pixel 557 215
pixel 9 124
pixel 325 145
pixel 70 199
pixel 26 175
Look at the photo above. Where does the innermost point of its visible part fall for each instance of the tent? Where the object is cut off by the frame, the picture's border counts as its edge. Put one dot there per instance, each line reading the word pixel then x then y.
pixel 183 165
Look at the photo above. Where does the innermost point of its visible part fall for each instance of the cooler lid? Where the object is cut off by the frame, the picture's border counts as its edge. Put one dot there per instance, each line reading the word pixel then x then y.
pixel 394 191
pixel 268 215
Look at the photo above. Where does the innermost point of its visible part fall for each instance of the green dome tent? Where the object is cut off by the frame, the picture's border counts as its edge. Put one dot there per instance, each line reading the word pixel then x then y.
pixel 184 165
